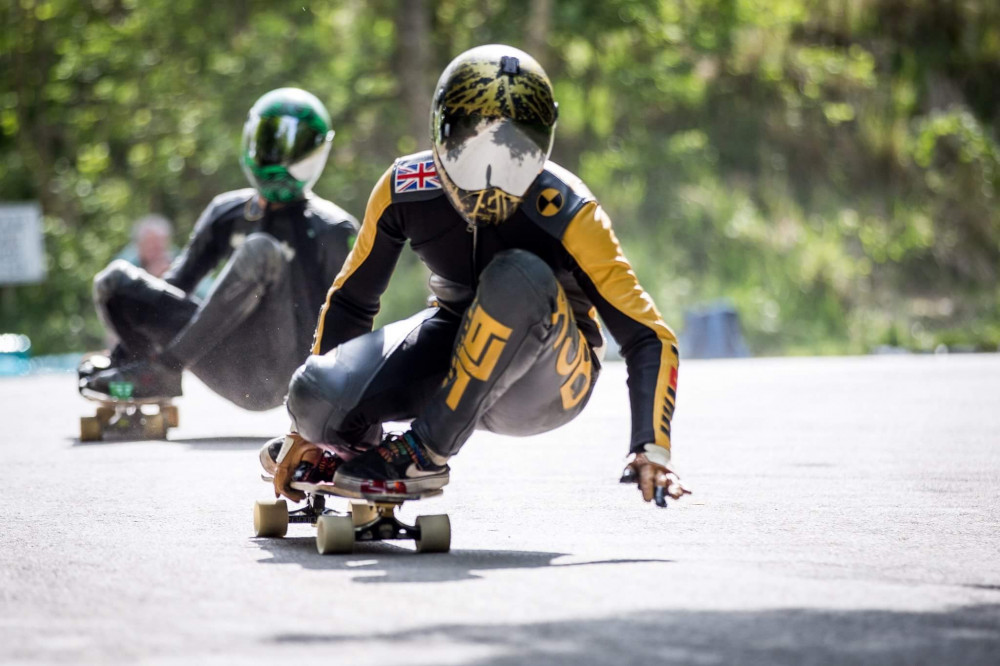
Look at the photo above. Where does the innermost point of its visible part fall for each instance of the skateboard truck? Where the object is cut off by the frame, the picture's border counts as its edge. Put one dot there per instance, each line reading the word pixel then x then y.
pixel 125 418
pixel 314 508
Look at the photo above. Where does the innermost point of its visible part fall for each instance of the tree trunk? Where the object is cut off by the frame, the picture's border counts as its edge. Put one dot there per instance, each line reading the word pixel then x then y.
pixel 413 27
pixel 539 21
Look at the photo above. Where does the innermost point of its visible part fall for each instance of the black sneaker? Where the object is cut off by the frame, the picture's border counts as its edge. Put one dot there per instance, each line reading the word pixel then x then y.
pixel 91 364
pixel 139 381
pixel 398 465
pixel 96 362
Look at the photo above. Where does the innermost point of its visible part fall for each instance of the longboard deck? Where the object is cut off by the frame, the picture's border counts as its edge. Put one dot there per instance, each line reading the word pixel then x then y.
pixel 106 401
pixel 327 488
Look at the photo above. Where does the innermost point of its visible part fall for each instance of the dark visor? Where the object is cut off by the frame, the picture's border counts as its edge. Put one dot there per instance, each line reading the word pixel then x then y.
pixel 280 140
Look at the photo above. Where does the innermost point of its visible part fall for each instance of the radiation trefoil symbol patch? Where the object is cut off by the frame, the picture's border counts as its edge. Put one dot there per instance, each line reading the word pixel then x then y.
pixel 550 202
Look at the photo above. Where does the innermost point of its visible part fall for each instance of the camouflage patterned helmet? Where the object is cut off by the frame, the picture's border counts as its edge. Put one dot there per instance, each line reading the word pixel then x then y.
pixel 492 123
pixel 286 140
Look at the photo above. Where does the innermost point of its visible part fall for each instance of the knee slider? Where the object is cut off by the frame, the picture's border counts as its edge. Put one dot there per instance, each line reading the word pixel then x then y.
pixel 112 279
pixel 260 257
pixel 319 397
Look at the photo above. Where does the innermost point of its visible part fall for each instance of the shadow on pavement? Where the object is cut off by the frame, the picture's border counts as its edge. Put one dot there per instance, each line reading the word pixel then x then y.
pixel 966 635
pixel 201 443
pixel 222 443
pixel 382 562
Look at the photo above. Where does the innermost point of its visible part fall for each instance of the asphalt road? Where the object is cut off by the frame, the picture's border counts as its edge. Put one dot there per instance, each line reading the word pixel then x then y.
pixel 845 511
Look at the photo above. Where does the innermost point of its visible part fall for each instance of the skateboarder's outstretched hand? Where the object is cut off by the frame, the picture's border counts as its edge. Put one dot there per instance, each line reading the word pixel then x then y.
pixel 654 474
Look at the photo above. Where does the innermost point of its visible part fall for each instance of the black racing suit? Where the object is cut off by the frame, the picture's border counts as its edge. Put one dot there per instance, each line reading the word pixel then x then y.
pixel 512 344
pixel 245 339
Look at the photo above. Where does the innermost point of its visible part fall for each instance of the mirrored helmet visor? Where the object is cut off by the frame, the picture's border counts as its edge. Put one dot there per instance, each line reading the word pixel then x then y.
pixel 280 140
pixel 492 153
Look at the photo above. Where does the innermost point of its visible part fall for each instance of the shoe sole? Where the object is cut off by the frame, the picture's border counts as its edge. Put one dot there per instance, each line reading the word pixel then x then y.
pixel 97 396
pixel 417 486
pixel 270 467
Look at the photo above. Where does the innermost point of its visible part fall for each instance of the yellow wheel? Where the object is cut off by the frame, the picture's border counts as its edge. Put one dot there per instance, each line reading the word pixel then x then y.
pixel 90 428
pixel 435 534
pixel 363 512
pixel 334 535
pixel 171 415
pixel 154 426
pixel 104 414
pixel 270 518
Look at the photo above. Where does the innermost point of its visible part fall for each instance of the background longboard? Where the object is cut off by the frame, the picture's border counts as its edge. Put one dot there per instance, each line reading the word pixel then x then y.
pixel 148 419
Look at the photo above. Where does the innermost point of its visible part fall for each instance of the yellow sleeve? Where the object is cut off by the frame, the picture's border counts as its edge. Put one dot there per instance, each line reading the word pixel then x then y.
pixel 353 300
pixel 647 343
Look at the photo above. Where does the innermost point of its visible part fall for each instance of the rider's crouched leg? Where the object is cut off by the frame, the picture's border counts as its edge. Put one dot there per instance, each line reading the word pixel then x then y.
pixel 321 395
pixel 311 393
pixel 260 258
pixel 503 333
pixel 258 263
pixel 143 311
pixel 119 293
pixel 112 279
pixel 129 300
pixel 519 290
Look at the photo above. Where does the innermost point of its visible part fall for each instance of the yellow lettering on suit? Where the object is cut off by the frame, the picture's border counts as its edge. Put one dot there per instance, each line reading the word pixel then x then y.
pixel 572 358
pixel 483 340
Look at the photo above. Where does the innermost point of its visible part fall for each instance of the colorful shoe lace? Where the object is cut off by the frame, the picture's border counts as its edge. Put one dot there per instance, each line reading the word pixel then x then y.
pixel 398 465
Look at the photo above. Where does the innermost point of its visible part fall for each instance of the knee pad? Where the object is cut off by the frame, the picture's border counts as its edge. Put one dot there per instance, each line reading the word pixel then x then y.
pixel 519 283
pixel 260 257
pixel 113 279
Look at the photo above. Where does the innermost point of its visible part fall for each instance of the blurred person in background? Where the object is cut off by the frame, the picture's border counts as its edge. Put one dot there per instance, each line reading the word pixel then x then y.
pixel 151 248
pixel 279 245
pixel 523 259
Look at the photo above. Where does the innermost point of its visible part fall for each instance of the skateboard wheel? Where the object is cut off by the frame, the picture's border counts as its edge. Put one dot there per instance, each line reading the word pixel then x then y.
pixel 90 428
pixel 363 512
pixel 105 414
pixel 171 415
pixel 435 534
pixel 154 426
pixel 270 518
pixel 334 534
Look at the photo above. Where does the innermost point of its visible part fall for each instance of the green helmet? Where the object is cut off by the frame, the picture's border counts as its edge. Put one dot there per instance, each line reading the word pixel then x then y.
pixel 286 140
pixel 492 124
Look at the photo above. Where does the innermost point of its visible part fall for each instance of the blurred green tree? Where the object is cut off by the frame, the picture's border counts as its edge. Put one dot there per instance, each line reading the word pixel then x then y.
pixel 831 166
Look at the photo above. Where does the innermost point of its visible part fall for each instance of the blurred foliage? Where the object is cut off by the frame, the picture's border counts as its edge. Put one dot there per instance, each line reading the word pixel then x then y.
pixel 830 166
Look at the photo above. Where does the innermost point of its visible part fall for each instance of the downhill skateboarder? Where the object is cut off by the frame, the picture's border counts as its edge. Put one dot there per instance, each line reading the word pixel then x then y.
pixel 523 259
pixel 279 245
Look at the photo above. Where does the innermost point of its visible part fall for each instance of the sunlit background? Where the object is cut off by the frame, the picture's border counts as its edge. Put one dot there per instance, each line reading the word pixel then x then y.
pixel 827 168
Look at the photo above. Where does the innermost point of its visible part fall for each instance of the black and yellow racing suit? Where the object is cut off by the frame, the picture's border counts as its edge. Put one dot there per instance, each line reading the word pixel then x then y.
pixel 550 269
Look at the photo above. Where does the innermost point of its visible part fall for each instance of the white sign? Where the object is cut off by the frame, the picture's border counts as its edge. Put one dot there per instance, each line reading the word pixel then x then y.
pixel 22 251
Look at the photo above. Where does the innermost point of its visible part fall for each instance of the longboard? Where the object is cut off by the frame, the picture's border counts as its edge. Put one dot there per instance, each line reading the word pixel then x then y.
pixel 371 516
pixel 128 418
pixel 120 414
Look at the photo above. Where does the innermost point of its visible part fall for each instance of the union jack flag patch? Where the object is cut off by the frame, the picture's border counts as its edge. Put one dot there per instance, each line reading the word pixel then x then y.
pixel 415 176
